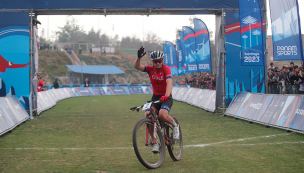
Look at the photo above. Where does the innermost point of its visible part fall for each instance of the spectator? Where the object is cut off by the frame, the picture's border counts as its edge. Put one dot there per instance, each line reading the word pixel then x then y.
pixel 271 66
pixel 39 83
pixel 56 84
pixel 301 79
pixel 275 82
pixel 80 50
pixel 294 81
pixel 86 82
pixel 291 64
pixel 70 50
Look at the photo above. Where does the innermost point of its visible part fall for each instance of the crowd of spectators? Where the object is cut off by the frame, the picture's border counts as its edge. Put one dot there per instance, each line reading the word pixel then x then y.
pixel 201 80
pixel 287 80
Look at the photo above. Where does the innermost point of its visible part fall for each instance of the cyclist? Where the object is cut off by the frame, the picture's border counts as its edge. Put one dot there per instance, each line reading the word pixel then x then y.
pixel 161 80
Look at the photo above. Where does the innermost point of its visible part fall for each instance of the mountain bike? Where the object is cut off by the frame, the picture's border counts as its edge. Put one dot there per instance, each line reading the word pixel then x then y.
pixel 162 133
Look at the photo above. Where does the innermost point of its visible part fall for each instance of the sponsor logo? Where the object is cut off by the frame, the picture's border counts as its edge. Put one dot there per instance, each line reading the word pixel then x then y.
pixel 251 57
pixel 118 90
pixel 84 91
pixel 256 106
pixel 171 55
pixel 180 57
pixel 192 67
pixel 203 66
pixel 287 50
pixel 300 111
pixel 17 106
pixel 157 78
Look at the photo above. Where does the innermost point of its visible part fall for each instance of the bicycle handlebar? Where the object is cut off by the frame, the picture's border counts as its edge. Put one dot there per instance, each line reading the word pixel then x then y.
pixel 138 107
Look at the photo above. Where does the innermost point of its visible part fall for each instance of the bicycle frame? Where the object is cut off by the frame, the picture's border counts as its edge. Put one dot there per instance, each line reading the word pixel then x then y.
pixel 160 124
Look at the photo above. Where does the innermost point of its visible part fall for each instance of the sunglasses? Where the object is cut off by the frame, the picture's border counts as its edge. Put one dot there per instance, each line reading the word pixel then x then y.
pixel 157 61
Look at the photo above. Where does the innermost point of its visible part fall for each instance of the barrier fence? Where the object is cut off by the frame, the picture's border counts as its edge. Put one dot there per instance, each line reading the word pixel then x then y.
pixel 201 98
pixel 281 111
pixel 49 98
pixel 12 113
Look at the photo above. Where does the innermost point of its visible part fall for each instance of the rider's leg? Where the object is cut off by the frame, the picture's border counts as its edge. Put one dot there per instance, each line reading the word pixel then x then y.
pixel 149 127
pixel 164 116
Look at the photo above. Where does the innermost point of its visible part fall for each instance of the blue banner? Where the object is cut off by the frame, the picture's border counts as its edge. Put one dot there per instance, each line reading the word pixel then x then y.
pixel 286 30
pixel 171 60
pixel 251 33
pixel 202 42
pixel 189 43
pixel 181 36
pixel 14 56
pixel 239 77
pixel 182 66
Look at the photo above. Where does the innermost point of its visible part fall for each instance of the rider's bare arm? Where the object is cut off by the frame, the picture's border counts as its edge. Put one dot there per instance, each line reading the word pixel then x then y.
pixel 169 86
pixel 138 66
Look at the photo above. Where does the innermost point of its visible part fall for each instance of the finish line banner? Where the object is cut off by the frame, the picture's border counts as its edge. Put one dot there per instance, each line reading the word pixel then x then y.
pixel 251 33
pixel 286 30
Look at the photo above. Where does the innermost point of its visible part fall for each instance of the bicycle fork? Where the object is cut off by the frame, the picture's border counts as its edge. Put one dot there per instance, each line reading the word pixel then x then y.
pixel 154 133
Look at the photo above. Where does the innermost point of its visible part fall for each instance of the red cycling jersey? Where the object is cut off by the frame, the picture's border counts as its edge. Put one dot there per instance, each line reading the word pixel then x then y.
pixel 158 78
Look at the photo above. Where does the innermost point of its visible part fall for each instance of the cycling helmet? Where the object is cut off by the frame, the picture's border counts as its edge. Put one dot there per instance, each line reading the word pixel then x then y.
pixel 157 55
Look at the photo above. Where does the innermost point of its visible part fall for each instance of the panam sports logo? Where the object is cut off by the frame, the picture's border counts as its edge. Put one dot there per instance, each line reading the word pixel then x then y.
pixel 256 106
pixel 287 50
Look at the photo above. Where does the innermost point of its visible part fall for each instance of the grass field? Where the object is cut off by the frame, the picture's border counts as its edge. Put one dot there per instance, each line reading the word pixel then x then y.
pixel 94 134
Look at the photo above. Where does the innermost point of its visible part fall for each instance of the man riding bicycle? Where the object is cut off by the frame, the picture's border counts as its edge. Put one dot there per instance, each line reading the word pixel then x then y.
pixel 161 80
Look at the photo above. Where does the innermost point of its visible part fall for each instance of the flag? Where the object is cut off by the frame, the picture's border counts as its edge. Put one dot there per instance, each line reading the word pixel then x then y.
pixel 189 43
pixel 182 66
pixel 252 41
pixel 286 30
pixel 171 59
pixel 202 44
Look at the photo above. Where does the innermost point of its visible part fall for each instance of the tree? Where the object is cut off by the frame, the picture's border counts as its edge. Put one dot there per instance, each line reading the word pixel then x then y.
pixel 71 31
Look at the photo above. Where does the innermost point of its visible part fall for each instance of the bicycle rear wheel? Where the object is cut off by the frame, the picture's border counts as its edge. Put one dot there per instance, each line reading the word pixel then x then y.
pixel 142 150
pixel 175 148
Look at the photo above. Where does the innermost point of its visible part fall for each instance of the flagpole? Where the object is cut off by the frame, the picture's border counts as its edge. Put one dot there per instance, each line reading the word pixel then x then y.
pixel 266 50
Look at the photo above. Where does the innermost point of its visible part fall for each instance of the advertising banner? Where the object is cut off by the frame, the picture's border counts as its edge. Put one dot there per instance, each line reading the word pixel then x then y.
pixel 195 96
pixel 147 89
pixel 252 41
pixel 18 108
pixel 185 95
pixel 202 44
pixel 296 120
pixel 189 43
pixel 239 78
pixel 207 100
pixel 200 97
pixel 289 110
pixel 14 56
pixel 190 95
pixel 117 90
pixel 211 102
pixel 255 107
pixel 182 66
pixel 5 122
pixel 236 103
pixel 83 91
pixel 171 59
pixel 181 36
pixel 136 90
pixel 286 30
pixel 8 111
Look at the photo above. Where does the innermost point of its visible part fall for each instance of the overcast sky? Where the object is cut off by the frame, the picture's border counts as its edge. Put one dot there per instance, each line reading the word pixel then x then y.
pixel 128 25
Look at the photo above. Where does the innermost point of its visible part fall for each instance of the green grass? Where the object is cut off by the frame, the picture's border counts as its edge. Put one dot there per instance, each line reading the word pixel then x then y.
pixel 85 134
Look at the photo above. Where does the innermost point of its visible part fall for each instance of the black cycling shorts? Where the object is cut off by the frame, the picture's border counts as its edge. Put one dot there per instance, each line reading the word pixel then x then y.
pixel 166 105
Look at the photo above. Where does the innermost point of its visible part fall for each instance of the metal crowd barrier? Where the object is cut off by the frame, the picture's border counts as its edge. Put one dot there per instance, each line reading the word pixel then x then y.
pixel 280 111
pixel 12 114
pixel 201 98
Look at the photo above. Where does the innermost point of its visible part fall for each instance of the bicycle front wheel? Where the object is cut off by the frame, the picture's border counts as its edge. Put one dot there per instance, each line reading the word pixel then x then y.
pixel 175 148
pixel 143 147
